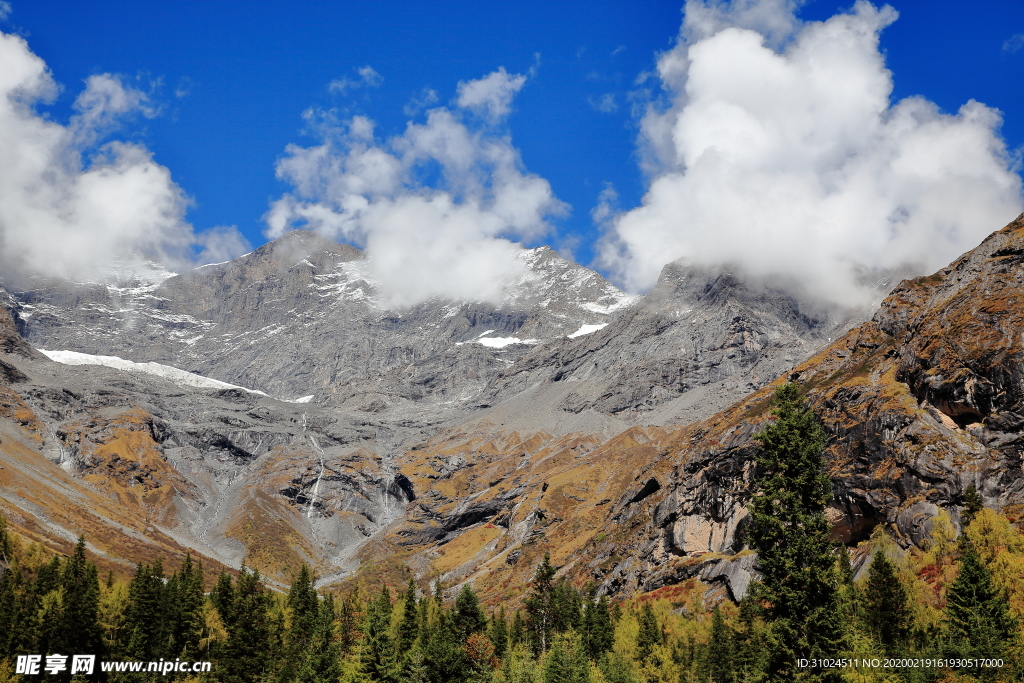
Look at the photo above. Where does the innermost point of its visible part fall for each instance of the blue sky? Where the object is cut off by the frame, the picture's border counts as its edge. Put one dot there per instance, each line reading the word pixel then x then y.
pixel 228 83
pixel 251 68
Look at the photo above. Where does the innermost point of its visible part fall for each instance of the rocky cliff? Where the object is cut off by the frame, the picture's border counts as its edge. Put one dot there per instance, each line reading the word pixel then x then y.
pixel 920 402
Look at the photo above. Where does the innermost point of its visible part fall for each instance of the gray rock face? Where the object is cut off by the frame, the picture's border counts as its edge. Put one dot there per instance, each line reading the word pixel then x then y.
pixel 699 341
pixel 297 317
pixel 208 463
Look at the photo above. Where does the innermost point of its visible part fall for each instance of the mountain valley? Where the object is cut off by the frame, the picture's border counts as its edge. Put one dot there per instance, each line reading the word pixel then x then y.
pixel 466 439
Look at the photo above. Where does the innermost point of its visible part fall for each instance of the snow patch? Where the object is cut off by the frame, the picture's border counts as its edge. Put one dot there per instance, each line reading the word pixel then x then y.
pixel 180 377
pixel 502 342
pixel 587 329
pixel 303 399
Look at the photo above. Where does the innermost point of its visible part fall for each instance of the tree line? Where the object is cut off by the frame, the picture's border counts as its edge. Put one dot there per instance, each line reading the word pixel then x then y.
pixel 931 614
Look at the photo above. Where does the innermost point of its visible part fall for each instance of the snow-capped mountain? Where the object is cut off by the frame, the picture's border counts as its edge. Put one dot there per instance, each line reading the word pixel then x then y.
pixel 299 317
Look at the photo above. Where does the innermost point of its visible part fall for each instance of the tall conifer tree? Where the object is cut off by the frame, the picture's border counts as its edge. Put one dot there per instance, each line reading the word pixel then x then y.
pixel 539 607
pixel 79 614
pixel 498 632
pixel 798 590
pixel 979 623
pixel 378 655
pixel 321 658
pixel 252 646
pixel 887 605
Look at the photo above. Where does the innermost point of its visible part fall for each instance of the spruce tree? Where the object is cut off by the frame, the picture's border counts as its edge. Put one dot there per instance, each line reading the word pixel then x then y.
pixel 539 606
pixel 566 607
pixel 378 656
pixel 973 504
pixel 789 531
pixel 467 616
pixel 349 622
pixel 8 596
pixel 321 658
pixel 303 605
pixel 498 632
pixel 223 597
pixel 979 623
pixel 617 669
pixel 145 614
pixel 517 633
pixel 650 633
pixel 186 591
pixel 599 631
pixel 719 660
pixel 79 614
pixel 409 628
pixel 444 651
pixel 251 650
pixel 887 605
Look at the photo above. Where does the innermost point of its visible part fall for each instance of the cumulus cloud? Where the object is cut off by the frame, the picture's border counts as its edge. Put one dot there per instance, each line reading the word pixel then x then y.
pixel 779 152
pixel 367 78
pixel 491 96
pixel 68 204
pixel 436 208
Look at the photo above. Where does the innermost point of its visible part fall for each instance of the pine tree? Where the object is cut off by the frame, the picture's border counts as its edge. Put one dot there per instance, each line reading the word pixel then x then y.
pixel 321 660
pixel 978 621
pixel 886 604
pixel 720 662
pixel 186 596
pixel 252 645
pixel 79 614
pixel 650 633
pixel 467 616
pixel 409 627
pixel 303 605
pixel 599 631
pixel 973 504
pixel 378 656
pixel 539 607
pixel 498 632
pixel 790 534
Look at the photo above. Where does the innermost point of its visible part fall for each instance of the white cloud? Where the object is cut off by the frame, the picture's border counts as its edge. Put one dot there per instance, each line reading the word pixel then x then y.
pixel 1014 43
pixel 792 161
pixel 416 105
pixel 605 103
pixel 184 88
pixel 62 214
pixel 491 96
pixel 436 208
pixel 368 78
pixel 5 9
